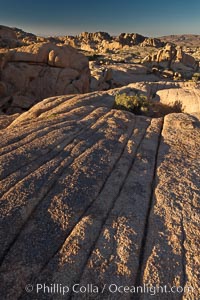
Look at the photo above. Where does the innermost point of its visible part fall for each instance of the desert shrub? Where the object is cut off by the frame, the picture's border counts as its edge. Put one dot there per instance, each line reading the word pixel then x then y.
pixel 137 104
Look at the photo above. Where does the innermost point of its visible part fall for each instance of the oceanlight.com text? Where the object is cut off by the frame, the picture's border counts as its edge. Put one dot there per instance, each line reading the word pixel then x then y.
pixel 60 289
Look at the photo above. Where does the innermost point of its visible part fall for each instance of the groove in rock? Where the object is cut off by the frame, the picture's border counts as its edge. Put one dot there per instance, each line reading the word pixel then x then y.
pixel 41 197
pixel 39 128
pixel 24 173
pixel 138 281
pixel 33 158
pixel 184 262
pixel 101 194
pixel 78 280
pixel 104 180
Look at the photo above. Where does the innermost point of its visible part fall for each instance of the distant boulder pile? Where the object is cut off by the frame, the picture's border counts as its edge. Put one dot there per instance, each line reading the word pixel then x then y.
pixel 103 42
pixel 130 39
pixel 88 41
pixel 152 42
pixel 25 37
pixel 173 59
pixel 31 73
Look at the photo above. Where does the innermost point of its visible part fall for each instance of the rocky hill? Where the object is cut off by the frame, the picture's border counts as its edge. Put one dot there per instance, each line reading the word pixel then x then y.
pixel 188 40
pixel 93 41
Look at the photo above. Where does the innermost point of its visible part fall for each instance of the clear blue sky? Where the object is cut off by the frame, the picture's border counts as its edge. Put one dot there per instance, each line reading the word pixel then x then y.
pixel 148 17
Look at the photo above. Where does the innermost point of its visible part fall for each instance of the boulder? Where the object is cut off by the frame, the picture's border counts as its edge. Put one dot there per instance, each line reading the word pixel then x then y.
pixel 30 73
pixel 188 99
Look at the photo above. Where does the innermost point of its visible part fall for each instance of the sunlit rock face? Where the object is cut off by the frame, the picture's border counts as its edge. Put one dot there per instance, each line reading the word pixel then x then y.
pixel 32 73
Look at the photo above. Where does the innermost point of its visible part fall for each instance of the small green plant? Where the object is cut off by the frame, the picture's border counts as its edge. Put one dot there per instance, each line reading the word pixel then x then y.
pixel 137 104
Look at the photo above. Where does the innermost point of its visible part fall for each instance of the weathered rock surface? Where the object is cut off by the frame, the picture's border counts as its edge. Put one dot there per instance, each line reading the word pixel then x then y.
pixel 6 120
pixel 187 99
pixel 117 75
pixel 94 195
pixel 32 73
pixel 172 252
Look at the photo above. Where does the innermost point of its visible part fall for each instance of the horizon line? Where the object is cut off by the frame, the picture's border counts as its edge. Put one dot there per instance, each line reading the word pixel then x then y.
pixel 57 34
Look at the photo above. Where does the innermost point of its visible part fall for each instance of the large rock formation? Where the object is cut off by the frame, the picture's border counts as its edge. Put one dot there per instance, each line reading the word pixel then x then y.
pixel 130 39
pixel 152 42
pixel 174 58
pixel 31 73
pixel 92 195
pixel 88 41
